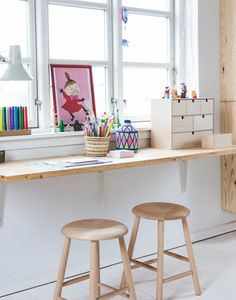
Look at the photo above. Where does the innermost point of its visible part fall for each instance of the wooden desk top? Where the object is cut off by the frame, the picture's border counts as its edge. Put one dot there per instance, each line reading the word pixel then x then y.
pixel 37 169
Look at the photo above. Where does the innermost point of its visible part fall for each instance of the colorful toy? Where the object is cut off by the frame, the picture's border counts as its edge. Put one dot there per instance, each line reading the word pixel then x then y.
pixel 167 93
pixel 174 93
pixel 183 90
pixel 194 94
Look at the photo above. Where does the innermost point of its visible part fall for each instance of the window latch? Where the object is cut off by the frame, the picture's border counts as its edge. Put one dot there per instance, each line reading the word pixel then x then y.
pixel 38 103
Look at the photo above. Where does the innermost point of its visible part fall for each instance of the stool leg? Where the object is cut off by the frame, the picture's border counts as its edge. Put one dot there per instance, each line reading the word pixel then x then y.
pixel 160 260
pixel 191 256
pixel 127 269
pixel 132 242
pixel 62 269
pixel 94 275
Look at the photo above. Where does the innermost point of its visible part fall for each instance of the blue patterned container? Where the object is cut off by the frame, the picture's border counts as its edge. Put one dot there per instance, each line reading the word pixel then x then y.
pixel 127 137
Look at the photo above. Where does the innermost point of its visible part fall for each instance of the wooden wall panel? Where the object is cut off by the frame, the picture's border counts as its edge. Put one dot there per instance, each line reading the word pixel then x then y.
pixel 228 50
pixel 228 183
pixel 228 118
pixel 228 98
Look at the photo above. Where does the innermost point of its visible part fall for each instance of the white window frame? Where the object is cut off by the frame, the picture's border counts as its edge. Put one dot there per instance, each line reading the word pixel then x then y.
pixel 118 62
pixel 113 62
pixel 44 61
pixel 30 61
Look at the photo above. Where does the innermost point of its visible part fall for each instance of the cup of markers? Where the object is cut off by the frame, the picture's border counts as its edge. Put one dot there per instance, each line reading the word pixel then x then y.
pixel 97 136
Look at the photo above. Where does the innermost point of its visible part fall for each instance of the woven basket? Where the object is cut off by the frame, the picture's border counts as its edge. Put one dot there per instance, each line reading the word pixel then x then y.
pixel 96 146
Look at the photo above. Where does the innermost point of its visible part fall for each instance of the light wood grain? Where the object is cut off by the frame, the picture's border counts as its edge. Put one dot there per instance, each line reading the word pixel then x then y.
pixel 15 132
pixel 228 183
pixel 228 50
pixel 160 211
pixel 191 258
pixel 127 269
pixel 94 229
pixel 160 259
pixel 228 120
pixel 62 269
pixel 30 169
pixel 217 140
pixel 94 276
pixel 228 98
pixel 178 124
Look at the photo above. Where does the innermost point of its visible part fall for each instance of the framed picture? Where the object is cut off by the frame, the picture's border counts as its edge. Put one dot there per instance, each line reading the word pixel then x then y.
pixel 73 94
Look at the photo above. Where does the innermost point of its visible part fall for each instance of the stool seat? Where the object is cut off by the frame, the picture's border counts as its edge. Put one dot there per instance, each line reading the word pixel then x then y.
pixel 161 211
pixel 94 230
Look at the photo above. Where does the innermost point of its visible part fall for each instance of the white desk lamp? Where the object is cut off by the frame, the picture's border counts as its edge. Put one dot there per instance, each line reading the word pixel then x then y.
pixel 15 70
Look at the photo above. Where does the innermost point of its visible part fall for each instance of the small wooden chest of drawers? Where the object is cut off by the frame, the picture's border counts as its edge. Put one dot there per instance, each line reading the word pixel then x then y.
pixel 181 123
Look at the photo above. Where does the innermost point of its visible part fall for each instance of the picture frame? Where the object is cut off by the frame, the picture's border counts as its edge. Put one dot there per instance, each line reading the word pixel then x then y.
pixel 73 93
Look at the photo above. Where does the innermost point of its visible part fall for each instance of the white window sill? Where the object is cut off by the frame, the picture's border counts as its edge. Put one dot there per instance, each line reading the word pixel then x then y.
pixel 46 144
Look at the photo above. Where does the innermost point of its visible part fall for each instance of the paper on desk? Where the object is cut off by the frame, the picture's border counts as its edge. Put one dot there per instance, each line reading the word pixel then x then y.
pixel 70 164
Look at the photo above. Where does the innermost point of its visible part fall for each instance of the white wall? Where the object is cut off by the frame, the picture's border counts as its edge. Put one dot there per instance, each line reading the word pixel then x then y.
pixel 35 211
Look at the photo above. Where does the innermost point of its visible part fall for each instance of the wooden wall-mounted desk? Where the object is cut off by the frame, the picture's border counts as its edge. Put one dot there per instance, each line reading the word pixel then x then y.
pixel 14 171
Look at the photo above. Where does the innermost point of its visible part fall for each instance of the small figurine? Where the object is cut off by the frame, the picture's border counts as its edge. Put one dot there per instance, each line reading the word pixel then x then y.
pixel 61 126
pixel 183 90
pixel 174 93
pixel 77 126
pixel 194 94
pixel 167 93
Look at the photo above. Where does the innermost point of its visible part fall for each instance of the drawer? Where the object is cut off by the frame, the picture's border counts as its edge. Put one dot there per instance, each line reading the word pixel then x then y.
pixel 207 106
pixel 193 107
pixel 182 124
pixel 188 139
pixel 179 107
pixel 203 122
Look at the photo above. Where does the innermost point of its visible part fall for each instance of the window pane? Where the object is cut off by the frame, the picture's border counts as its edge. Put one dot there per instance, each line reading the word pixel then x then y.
pixel 99 82
pixel 148 39
pixel 76 33
pixel 150 4
pixel 140 86
pixel 13 25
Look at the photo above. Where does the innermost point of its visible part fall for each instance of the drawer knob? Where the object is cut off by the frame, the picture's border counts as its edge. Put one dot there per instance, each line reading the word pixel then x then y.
pixel 192 132
pixel 203 116
pixel 178 101
pixel 182 117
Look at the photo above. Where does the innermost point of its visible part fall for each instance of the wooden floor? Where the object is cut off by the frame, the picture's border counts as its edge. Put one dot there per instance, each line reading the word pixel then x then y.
pixel 216 262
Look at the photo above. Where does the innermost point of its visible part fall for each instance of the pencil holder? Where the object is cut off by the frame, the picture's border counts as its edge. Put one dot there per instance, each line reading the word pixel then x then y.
pixel 96 146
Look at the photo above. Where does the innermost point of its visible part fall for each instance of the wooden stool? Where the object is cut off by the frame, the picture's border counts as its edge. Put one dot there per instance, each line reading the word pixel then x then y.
pixel 161 212
pixel 95 230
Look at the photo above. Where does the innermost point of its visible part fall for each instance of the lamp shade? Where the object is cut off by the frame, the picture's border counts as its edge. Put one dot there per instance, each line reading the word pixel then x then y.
pixel 15 70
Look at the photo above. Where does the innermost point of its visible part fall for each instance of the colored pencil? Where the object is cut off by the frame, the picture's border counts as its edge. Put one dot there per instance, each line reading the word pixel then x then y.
pixel 20 117
pixel 25 114
pixel 12 118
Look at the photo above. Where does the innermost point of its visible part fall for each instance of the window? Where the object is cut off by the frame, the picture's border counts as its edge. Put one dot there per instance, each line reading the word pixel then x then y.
pixel 90 33
pixel 147 59
pixel 78 33
pixel 20 32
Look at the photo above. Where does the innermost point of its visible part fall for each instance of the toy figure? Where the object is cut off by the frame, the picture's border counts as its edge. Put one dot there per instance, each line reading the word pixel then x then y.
pixel 183 90
pixel 77 126
pixel 61 126
pixel 194 94
pixel 71 92
pixel 167 93
pixel 174 93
